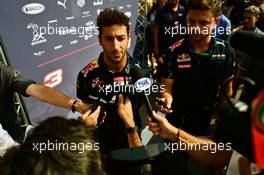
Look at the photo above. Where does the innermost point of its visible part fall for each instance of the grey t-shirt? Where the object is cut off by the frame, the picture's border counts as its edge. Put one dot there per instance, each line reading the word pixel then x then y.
pixel 11 81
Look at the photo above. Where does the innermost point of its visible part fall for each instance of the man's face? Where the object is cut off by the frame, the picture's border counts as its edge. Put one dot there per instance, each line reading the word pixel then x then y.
pixel 249 21
pixel 114 41
pixel 173 2
pixel 200 23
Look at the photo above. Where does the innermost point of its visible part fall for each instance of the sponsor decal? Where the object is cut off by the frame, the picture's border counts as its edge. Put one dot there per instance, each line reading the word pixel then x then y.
pixel 88 68
pixel 53 78
pixel 96 82
pixel 183 58
pixel 37 37
pixel 63 4
pixel 80 3
pixel 97 2
pixel 39 53
pixel 183 66
pixel 218 57
pixel 33 8
pixel 143 84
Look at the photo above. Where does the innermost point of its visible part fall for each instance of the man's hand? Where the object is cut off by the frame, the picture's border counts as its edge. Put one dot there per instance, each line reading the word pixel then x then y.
pixel 90 119
pixel 82 107
pixel 125 111
pixel 162 128
pixel 163 105
pixel 160 60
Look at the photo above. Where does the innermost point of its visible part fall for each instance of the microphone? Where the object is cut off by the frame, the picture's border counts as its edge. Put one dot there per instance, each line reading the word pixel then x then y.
pixel 141 84
pixel 250 43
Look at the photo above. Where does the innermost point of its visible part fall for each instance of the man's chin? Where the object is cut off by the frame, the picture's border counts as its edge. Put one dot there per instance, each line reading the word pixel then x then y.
pixel 117 60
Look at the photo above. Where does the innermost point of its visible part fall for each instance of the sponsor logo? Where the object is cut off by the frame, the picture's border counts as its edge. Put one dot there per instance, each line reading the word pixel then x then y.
pixel 183 66
pixel 97 2
pixel 54 78
pixel 63 4
pixel 80 3
pixel 143 84
pixel 33 8
pixel 218 57
pixel 37 37
pixel 97 82
pixel 88 68
pixel 39 53
pixel 183 58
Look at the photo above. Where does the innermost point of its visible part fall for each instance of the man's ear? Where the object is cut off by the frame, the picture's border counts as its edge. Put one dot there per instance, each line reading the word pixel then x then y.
pixel 129 42
pixel 217 20
pixel 257 18
pixel 100 40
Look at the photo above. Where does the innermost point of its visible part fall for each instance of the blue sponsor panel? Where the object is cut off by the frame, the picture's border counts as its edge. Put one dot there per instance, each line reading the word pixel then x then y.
pixel 51 41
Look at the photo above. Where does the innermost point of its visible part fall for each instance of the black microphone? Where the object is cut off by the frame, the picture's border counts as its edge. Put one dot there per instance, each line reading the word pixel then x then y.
pixel 250 43
pixel 141 84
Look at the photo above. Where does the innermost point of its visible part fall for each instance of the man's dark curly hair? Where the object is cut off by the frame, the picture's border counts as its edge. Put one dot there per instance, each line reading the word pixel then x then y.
pixel 109 17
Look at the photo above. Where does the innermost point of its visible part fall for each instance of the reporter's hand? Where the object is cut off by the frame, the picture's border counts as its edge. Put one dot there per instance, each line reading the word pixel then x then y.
pixel 125 111
pixel 160 60
pixel 82 107
pixel 90 119
pixel 165 107
pixel 162 128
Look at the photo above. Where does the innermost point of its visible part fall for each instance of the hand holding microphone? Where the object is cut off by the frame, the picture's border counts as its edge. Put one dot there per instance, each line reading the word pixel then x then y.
pixel 163 105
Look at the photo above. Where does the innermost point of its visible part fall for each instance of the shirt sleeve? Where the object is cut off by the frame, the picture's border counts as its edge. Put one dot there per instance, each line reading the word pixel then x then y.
pixel 158 17
pixel 168 68
pixel 82 87
pixel 16 80
pixel 229 64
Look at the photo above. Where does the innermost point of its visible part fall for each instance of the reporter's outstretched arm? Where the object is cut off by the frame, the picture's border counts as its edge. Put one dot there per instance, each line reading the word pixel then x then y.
pixel 164 129
pixel 126 113
pixel 54 97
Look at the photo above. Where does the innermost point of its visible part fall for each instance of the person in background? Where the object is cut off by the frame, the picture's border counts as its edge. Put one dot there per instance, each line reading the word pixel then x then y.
pixel 198 68
pixel 168 21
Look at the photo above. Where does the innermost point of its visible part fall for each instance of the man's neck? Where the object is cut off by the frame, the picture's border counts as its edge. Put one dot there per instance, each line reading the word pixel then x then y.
pixel 116 67
pixel 201 45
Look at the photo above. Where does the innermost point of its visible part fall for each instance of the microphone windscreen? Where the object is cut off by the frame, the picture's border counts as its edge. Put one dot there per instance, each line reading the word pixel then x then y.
pixel 136 73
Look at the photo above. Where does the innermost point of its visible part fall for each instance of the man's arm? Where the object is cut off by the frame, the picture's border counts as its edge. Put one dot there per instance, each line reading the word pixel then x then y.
pixel 54 97
pixel 126 113
pixel 165 130
pixel 155 29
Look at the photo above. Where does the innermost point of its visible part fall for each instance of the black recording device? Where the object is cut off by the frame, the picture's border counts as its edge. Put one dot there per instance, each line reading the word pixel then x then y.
pixel 137 76
pixel 236 118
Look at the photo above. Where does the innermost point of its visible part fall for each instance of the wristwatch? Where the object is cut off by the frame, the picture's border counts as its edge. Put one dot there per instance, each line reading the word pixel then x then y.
pixel 73 107
pixel 131 130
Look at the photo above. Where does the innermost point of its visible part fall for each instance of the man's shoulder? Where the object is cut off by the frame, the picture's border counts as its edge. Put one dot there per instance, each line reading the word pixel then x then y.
pixel 90 67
